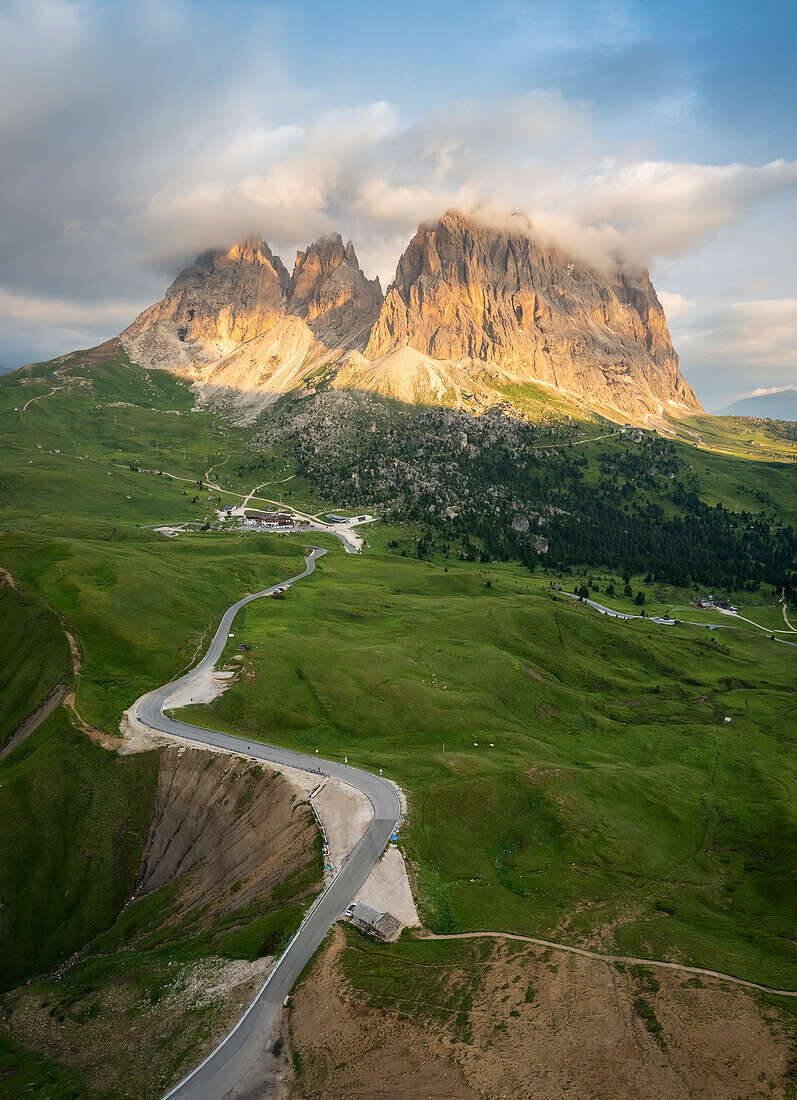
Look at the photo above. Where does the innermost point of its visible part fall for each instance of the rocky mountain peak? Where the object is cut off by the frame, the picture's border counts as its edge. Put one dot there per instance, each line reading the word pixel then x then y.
pixel 473 308
pixel 329 290
pixel 225 298
pixel 317 262
pixel 252 252
pixel 467 291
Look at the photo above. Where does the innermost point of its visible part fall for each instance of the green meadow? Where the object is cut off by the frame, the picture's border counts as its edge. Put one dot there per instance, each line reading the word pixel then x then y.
pixel 34 655
pixel 74 821
pixel 141 605
pixel 78 450
pixel 566 773
pixel 735 435
pixel 77 524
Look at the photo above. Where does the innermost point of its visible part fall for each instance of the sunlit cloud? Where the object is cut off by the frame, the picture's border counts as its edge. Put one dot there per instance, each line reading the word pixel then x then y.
pixel 675 305
pixel 132 138
pixel 727 345
pixel 761 392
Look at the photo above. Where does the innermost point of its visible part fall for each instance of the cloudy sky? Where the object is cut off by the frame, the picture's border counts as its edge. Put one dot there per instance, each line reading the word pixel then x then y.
pixel 134 135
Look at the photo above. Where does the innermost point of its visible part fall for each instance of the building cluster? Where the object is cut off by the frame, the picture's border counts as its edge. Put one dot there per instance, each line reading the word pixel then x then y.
pixel 273 521
pixel 709 602
pixel 334 518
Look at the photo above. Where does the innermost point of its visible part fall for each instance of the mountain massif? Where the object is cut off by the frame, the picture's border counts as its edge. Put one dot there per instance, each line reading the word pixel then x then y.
pixel 474 311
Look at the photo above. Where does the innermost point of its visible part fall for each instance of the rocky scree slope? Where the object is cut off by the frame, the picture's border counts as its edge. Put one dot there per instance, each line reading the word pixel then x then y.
pixel 473 311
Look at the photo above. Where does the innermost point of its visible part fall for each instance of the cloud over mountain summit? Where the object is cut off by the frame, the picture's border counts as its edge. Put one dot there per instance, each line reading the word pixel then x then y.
pixel 134 136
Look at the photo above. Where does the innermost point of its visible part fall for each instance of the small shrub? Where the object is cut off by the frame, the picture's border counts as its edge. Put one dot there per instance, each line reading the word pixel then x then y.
pixel 646 1011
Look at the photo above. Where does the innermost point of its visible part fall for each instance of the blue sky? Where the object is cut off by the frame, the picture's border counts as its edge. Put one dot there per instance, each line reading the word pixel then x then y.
pixel 134 136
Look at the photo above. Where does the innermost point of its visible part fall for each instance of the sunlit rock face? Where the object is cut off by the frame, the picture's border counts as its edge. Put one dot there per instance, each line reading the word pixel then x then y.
pixel 220 302
pixel 472 309
pixel 467 292
pixel 329 290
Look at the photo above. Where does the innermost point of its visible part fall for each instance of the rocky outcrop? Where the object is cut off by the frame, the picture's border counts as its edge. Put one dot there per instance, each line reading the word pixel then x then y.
pixel 329 290
pixel 223 300
pixel 484 296
pixel 247 331
pixel 474 311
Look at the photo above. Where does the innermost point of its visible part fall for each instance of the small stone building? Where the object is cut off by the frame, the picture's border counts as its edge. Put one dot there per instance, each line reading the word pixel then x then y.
pixel 383 925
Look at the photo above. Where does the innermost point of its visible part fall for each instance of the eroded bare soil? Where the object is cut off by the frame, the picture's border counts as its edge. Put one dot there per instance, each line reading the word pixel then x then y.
pixel 540 1024
pixel 231 823
pixel 343 1047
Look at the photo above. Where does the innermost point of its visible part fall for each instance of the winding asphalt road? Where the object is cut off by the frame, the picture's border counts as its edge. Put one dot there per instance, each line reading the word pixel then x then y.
pixel 674 622
pixel 233 1060
pixel 236 1058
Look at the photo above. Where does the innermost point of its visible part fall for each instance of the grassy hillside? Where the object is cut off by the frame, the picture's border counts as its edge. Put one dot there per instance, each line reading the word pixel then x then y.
pixel 78 522
pixel 498 487
pixel 741 436
pixel 23 1073
pixel 74 817
pixel 148 999
pixel 34 655
pixel 140 604
pixel 567 775
pixel 73 824
pixel 155 983
pixel 99 439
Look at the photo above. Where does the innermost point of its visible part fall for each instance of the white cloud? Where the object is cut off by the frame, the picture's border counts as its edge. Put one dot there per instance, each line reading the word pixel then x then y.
pixel 36 328
pixel 16 308
pixel 762 334
pixel 371 175
pixel 675 305
pixel 724 347
pixel 122 156
pixel 761 392
pixel 647 208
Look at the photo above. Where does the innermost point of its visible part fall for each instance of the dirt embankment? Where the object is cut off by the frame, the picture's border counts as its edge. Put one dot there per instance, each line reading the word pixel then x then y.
pixel 344 1047
pixel 543 1025
pixel 229 834
pixel 229 822
pixel 100 354
pixel 345 814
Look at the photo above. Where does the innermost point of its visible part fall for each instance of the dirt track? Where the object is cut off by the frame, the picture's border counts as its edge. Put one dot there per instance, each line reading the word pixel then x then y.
pixel 35 718
pixel 623 959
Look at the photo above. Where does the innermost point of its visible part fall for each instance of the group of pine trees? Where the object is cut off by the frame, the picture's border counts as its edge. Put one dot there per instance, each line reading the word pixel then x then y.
pixel 628 505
